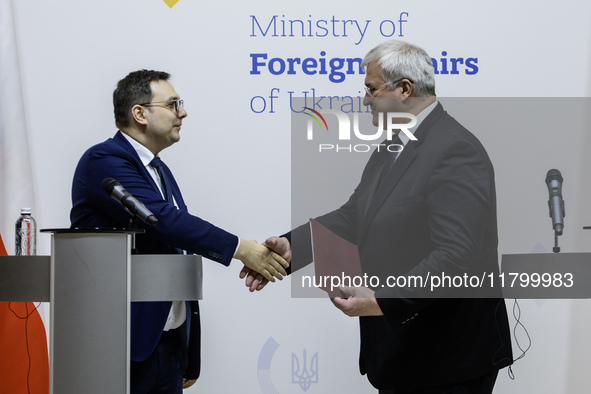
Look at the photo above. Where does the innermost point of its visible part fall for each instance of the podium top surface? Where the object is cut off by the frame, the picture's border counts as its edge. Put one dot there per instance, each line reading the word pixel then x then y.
pixel 92 230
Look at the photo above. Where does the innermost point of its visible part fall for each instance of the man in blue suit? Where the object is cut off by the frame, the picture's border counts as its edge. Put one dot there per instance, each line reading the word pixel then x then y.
pixel 165 336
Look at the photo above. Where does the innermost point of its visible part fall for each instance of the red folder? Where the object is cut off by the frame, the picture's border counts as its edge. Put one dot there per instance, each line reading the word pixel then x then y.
pixel 336 260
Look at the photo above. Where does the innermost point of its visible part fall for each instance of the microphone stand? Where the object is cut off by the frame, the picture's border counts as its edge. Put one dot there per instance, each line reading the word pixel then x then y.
pixel 556 248
pixel 133 227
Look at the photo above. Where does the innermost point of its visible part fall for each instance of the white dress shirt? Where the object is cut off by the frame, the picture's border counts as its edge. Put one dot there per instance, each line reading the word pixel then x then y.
pixel 178 310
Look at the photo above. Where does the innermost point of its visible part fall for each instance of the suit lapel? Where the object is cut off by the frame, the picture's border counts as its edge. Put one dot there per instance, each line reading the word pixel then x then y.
pixel 120 139
pixel 386 189
pixel 371 178
pixel 176 192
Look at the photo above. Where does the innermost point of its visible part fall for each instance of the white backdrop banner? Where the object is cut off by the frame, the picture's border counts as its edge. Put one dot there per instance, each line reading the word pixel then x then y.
pixel 238 66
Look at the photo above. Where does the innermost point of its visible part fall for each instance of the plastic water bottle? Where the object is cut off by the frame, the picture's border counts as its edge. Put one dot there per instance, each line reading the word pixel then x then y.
pixel 26 234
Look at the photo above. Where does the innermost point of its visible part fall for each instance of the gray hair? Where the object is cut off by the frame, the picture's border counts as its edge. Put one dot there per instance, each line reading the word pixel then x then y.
pixel 400 59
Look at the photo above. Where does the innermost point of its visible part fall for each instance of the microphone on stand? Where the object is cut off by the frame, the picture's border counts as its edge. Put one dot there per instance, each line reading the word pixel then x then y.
pixel 555 204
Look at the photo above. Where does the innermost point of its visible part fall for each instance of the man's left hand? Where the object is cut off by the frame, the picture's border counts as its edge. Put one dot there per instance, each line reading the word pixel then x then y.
pixel 188 383
pixel 361 302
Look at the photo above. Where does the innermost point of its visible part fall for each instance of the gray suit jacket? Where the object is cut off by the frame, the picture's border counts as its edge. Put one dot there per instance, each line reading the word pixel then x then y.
pixel 433 213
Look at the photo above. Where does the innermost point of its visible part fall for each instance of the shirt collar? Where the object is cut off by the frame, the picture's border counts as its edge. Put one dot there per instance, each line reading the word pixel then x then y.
pixel 420 117
pixel 144 153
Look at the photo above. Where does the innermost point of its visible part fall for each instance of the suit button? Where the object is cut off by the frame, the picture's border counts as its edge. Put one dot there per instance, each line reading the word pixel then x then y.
pixel 215 255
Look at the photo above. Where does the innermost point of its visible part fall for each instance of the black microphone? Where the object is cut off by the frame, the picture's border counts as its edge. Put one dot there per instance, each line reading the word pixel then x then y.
pixel 132 205
pixel 555 203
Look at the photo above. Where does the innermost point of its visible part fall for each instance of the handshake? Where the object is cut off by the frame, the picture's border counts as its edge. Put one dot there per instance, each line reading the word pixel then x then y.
pixel 267 261
pixel 263 262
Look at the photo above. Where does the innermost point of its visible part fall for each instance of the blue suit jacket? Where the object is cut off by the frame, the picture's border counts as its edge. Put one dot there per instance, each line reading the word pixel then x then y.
pixel 92 208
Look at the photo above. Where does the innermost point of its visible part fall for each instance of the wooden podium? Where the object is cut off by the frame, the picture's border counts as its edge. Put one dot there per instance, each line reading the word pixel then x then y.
pixel 90 279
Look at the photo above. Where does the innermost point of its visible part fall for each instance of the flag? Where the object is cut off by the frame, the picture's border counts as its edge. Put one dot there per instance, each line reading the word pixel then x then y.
pixel 24 366
pixel 2 248
pixel 16 176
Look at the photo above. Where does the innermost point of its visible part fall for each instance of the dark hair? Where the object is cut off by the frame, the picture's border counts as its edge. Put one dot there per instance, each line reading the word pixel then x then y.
pixel 134 89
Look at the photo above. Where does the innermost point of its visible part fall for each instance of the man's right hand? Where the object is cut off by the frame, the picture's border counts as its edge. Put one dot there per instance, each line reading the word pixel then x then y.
pixel 256 281
pixel 261 259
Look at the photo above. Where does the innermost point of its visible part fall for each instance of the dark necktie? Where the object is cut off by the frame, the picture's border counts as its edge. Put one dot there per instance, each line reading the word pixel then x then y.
pixel 165 181
pixel 387 161
pixel 390 158
pixel 166 184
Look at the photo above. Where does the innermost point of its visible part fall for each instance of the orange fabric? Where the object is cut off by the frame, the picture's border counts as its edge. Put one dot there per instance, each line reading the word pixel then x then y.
pixel 17 335
pixel 2 248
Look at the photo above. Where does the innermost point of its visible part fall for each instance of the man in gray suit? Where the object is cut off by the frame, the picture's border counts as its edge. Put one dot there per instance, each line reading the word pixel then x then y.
pixel 429 211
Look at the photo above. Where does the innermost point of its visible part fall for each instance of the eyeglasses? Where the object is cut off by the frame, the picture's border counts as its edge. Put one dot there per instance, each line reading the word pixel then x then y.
pixel 371 91
pixel 173 105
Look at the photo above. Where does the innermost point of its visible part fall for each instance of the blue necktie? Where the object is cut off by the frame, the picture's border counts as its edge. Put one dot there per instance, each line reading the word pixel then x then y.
pixel 165 181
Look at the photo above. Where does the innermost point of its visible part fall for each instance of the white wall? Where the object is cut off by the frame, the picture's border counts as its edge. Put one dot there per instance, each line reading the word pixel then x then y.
pixel 234 165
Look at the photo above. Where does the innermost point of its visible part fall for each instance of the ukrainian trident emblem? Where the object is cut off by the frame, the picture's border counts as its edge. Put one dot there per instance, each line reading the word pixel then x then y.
pixel 301 374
